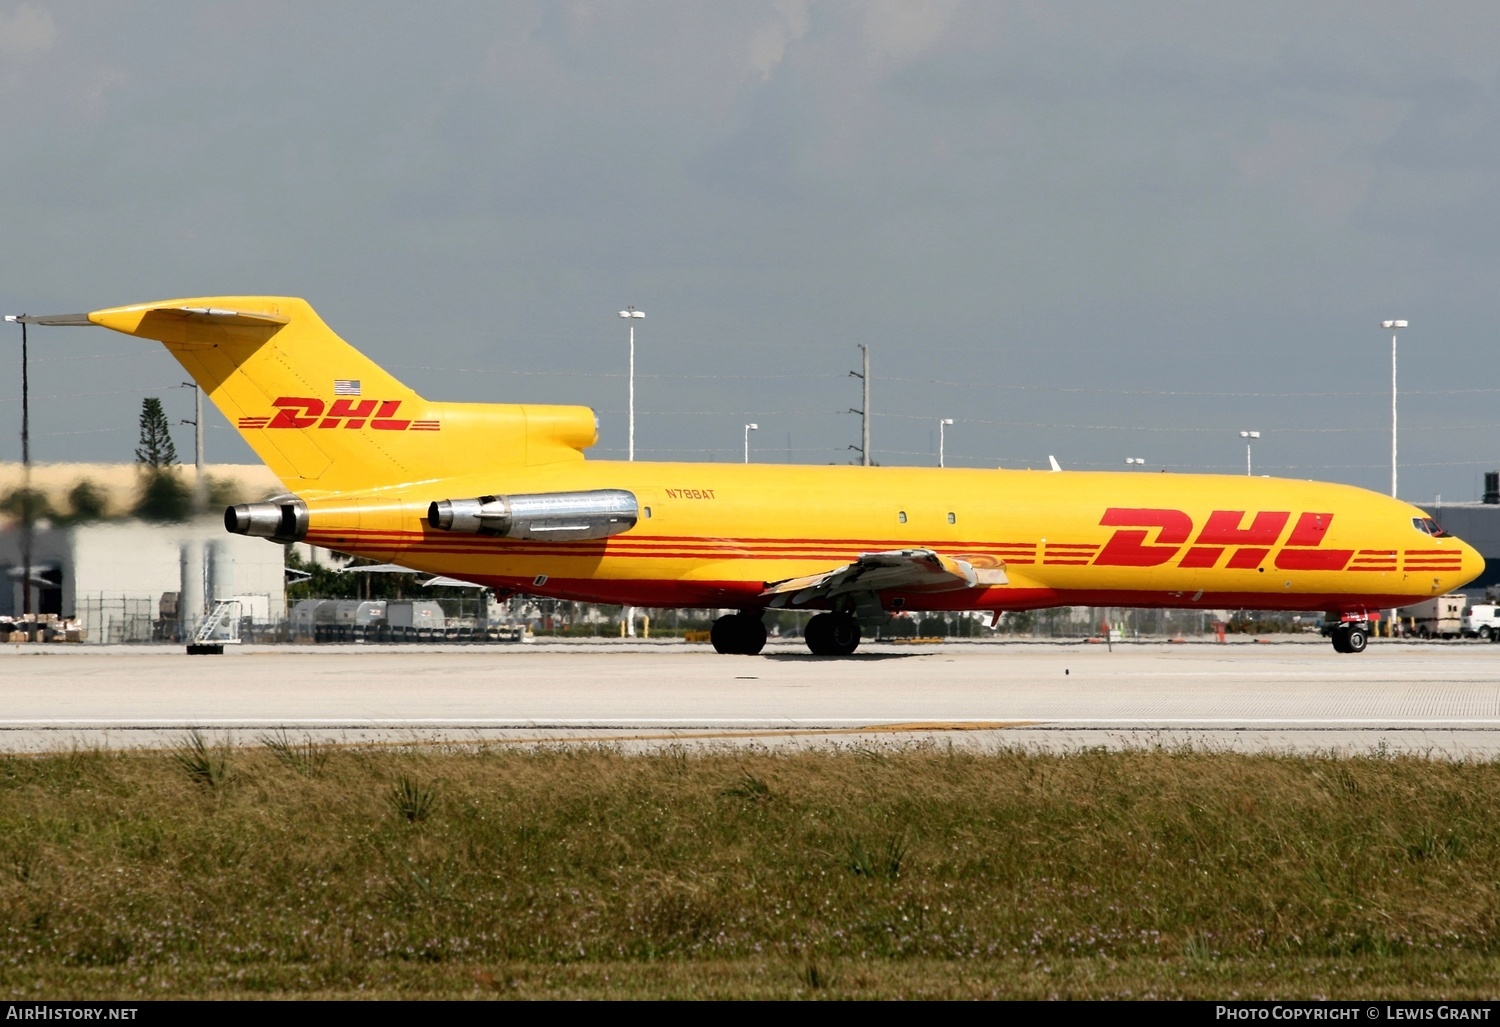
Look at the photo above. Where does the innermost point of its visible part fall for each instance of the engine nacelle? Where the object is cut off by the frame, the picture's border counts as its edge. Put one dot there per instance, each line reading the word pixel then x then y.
pixel 543 516
pixel 280 520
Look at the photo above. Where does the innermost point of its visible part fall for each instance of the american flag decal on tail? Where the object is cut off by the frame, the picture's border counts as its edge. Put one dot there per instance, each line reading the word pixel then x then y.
pixel 346 386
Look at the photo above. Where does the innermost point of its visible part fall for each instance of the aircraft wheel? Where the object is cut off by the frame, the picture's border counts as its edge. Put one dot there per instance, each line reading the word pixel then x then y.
pixel 832 634
pixel 816 634
pixel 1340 639
pixel 740 634
pixel 724 635
pixel 1355 640
pixel 752 634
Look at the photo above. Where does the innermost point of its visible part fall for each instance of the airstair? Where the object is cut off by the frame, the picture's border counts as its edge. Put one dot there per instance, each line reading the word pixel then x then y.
pixel 221 627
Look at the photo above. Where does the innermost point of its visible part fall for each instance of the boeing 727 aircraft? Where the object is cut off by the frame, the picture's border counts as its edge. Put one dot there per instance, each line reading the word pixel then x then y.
pixel 500 494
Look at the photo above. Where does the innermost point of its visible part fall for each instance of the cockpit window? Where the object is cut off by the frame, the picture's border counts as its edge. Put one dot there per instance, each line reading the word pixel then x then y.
pixel 1428 526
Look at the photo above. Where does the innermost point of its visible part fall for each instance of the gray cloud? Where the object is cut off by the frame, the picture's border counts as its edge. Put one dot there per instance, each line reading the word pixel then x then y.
pixel 1196 214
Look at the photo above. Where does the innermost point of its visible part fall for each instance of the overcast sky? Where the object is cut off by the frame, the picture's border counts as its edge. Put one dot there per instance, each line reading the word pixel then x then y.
pixel 1096 230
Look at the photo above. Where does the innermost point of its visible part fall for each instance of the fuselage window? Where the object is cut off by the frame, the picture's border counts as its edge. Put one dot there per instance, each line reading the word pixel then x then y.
pixel 647 511
pixel 952 519
pixel 901 516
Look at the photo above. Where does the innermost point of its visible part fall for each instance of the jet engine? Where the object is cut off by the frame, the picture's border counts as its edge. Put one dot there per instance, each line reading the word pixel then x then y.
pixel 283 519
pixel 543 516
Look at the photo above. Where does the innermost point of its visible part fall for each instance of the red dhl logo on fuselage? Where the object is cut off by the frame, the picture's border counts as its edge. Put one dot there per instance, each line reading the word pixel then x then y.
pixel 1248 544
pixel 308 412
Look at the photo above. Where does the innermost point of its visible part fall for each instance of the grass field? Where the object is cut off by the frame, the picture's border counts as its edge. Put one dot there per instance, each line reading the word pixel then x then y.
pixel 489 871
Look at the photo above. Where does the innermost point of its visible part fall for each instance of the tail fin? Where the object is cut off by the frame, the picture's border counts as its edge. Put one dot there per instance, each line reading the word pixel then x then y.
pixel 323 416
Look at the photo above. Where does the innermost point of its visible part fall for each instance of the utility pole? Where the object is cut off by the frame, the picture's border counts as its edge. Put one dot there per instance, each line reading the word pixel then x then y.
pixel 864 414
pixel 200 489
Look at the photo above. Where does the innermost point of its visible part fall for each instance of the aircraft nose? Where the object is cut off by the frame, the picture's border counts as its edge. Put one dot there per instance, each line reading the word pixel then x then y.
pixel 1470 567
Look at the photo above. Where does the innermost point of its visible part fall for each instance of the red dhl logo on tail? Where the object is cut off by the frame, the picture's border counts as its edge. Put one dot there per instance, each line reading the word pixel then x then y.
pixel 308 412
pixel 1226 530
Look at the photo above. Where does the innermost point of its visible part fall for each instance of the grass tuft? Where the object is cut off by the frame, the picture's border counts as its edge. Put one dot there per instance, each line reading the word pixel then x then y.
pixel 306 757
pixel 880 862
pixel 203 765
pixel 748 787
pixel 412 800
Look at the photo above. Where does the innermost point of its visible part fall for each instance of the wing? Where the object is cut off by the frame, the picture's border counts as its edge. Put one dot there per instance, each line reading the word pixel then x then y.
pixel 906 570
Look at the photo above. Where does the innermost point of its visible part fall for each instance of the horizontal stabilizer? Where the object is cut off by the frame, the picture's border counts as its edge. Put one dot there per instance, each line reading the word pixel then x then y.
pixel 204 315
pixel 66 320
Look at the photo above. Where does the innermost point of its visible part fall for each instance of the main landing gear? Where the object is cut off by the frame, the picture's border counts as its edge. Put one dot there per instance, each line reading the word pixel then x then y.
pixel 1351 638
pixel 832 634
pixel 743 634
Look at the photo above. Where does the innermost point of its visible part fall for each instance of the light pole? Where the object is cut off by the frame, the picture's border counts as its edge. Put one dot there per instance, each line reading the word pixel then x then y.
pixel 748 429
pixel 1391 327
pixel 26 507
pixel 1134 460
pixel 631 312
pixel 1249 437
pixel 943 422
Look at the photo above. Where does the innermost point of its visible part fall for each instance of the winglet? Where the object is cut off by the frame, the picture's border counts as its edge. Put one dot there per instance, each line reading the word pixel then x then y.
pixel 1053 461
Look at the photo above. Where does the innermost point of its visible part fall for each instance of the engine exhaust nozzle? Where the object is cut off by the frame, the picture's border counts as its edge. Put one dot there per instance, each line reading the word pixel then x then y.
pixel 280 520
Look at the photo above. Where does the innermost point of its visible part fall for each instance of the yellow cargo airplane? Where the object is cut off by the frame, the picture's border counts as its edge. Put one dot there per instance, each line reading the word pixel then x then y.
pixel 500 494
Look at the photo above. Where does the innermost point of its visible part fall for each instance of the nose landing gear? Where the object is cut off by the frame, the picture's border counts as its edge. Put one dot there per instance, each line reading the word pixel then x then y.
pixel 1351 638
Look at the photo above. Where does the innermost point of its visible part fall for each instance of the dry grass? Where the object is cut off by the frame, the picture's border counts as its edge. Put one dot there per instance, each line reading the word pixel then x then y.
pixel 294 869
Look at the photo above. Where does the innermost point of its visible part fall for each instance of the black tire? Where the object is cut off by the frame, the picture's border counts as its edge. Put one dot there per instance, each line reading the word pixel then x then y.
pixel 1485 634
pixel 816 634
pixel 1356 640
pixel 1340 639
pixel 738 634
pixel 832 634
pixel 845 634
pixel 724 635
pixel 752 634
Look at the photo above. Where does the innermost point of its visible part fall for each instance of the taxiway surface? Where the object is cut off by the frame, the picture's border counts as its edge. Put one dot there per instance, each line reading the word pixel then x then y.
pixel 1426 698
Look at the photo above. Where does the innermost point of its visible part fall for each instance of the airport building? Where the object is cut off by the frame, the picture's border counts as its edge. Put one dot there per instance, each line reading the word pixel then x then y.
pixel 1479 525
pixel 121 580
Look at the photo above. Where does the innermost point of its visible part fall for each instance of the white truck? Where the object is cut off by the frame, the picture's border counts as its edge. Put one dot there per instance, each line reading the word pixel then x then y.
pixel 1438 617
pixel 1482 621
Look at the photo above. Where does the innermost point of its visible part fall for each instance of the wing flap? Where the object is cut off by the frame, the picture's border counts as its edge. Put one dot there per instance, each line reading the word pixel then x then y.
pixel 905 570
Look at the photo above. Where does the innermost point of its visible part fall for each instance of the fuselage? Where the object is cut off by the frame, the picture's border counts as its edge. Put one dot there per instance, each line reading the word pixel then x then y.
pixel 714 535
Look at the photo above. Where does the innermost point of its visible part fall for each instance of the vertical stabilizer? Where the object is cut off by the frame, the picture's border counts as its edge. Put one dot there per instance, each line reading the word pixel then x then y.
pixel 323 416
